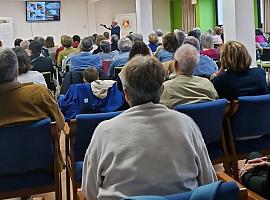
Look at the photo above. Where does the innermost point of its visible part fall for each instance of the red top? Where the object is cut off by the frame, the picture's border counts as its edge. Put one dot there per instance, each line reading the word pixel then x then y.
pixel 211 53
pixel 58 51
pixel 75 44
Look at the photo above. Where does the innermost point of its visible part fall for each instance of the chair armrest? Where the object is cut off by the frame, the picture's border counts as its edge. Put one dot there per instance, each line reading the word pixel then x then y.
pixel 250 194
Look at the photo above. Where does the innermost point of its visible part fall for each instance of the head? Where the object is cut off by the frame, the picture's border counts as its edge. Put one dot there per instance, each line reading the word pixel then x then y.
pixel 170 42
pixel 137 37
pixel 258 31
pixel 66 41
pixel 8 65
pixel 130 36
pixel 195 34
pixel 235 57
pixel 211 31
pixel 106 35
pixel 124 45
pixel 114 23
pixel 23 60
pixel 90 74
pixel 105 46
pixel 76 38
pixel 25 44
pixel 207 41
pixel 180 35
pixel 217 30
pixel 95 37
pixel 41 40
pixel 114 38
pixel 86 44
pixel 139 48
pixel 153 38
pixel 49 42
pixel 17 42
pixel 198 30
pixel 35 48
pixel 99 39
pixel 159 32
pixel 186 59
pixel 192 41
pixel 142 80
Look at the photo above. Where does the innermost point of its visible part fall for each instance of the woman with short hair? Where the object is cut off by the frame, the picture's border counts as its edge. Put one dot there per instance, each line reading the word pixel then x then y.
pixel 170 45
pixel 207 46
pixel 236 78
pixel 153 42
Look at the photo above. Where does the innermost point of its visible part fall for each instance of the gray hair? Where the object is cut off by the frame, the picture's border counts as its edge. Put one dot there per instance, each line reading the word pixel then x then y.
pixel 86 44
pixel 207 41
pixel 8 65
pixel 211 31
pixel 187 58
pixel 180 35
pixel 142 79
pixel 105 46
pixel 41 40
pixel 114 38
pixel 124 44
pixel 137 37
pixel 25 44
pixel 192 41
pixel 159 32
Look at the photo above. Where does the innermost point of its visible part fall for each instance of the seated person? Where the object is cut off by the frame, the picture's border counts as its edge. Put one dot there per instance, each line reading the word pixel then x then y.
pixel 208 47
pixel 106 54
pixel 255 174
pixel 186 88
pixel 114 43
pixel 39 62
pixel 153 42
pixel 23 103
pixel 121 59
pixel 260 38
pixel 93 96
pixel 85 58
pixel 25 73
pixel 170 45
pixel 238 79
pixel 139 151
pixel 97 42
pixel 139 48
pixel 206 66
pixel 76 41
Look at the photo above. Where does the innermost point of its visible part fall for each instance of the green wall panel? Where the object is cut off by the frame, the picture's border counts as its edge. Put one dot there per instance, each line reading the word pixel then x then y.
pixel 176 14
pixel 206 14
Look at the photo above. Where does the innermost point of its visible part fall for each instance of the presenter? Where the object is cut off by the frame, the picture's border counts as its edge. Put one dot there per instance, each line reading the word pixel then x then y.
pixel 115 29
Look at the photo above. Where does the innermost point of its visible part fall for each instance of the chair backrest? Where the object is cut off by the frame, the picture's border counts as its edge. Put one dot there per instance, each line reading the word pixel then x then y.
pixel 265 54
pixel 47 77
pixel 208 116
pixel 252 116
pixel 106 66
pixel 26 148
pixel 85 127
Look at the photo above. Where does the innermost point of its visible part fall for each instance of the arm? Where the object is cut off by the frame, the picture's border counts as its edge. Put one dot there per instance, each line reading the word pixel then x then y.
pixel 105 26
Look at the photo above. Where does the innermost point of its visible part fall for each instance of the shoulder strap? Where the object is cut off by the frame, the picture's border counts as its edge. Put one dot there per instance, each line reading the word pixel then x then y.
pixel 206 192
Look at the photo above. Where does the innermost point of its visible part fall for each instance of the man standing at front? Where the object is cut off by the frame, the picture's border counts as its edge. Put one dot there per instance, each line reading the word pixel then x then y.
pixel 148 149
pixel 115 29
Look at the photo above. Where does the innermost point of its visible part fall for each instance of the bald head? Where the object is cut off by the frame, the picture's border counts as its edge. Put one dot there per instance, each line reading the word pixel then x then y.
pixel 187 58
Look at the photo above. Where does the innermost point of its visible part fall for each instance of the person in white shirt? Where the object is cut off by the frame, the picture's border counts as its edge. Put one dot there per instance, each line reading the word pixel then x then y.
pixel 25 75
pixel 148 149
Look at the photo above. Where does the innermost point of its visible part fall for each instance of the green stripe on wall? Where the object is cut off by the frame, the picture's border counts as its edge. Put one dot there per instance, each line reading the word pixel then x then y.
pixel 176 14
pixel 206 14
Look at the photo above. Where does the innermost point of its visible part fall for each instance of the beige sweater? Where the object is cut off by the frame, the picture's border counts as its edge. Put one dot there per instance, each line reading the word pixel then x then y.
pixel 148 149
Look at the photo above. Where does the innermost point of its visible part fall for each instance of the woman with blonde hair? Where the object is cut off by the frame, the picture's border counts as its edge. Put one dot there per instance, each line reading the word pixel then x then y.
pixel 236 77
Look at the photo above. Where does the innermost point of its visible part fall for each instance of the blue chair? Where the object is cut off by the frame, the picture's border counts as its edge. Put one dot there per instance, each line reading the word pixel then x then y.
pixel 248 127
pixel 29 160
pixel 209 118
pixel 213 191
pixel 77 142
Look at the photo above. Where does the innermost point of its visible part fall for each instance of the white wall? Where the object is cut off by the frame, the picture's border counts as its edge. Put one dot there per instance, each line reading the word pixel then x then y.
pixel 161 15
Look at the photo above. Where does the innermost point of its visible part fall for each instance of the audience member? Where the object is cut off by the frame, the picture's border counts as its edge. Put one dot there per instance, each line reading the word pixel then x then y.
pixel 44 50
pixel 92 97
pixel 26 102
pixel 114 43
pixel 61 48
pixel 98 40
pixel 195 34
pixel 137 37
pixel 49 44
pixel 106 54
pixel 85 58
pixel 153 42
pixel 39 62
pixel 260 38
pixel 206 66
pixel 238 79
pixel 121 59
pixel 159 33
pixel 139 48
pixel 17 42
pixel 180 35
pixel 68 49
pixel 146 151
pixel 25 45
pixel 217 40
pixel 186 88
pixel 24 70
pixel 170 45
pixel 130 36
pixel 107 36
pixel 76 41
pixel 208 46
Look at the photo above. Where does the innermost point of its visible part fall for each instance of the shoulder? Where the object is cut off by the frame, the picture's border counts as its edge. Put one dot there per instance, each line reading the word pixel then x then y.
pixel 257 70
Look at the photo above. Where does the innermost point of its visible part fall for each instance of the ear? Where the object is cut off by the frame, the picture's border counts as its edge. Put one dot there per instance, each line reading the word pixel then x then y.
pixel 127 97
pixel 161 89
pixel 176 66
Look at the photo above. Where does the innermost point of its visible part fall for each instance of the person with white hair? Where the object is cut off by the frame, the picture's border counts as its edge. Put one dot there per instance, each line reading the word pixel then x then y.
pixel 25 45
pixel 115 29
pixel 186 88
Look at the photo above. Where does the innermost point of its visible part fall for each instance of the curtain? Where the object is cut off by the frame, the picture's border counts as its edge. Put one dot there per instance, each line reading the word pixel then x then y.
pixel 266 23
pixel 189 15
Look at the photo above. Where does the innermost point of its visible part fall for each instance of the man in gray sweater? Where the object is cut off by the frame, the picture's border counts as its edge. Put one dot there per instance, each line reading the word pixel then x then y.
pixel 148 149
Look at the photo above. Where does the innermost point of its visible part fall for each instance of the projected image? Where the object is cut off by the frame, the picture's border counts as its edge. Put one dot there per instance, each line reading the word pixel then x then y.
pixel 42 11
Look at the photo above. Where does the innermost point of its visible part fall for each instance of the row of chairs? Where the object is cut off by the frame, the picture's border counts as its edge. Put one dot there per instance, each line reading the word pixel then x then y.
pixel 25 165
